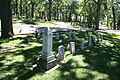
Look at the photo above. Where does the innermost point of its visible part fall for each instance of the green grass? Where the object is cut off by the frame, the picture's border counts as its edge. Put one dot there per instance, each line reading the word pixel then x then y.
pixel 95 63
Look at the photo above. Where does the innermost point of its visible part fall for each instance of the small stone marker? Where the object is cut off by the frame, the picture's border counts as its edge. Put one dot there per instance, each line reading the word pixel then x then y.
pixel 74 34
pixel 57 36
pixel 61 50
pixel 69 34
pixel 64 36
pixel 89 41
pixel 72 47
pixel 95 42
pixel 82 44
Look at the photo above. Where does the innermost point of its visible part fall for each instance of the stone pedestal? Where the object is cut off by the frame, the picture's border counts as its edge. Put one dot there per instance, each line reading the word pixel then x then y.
pixel 47 59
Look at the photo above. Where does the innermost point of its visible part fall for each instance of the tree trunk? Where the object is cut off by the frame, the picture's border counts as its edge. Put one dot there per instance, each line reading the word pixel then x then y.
pixel 6 19
pixel 20 8
pixel 98 16
pixel 32 9
pixel 57 14
pixel 50 10
pixel 26 9
pixel 114 17
pixel 16 6
pixel 70 17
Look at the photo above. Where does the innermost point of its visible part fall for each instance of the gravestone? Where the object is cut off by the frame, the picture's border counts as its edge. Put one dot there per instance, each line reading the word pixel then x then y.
pixel 64 36
pixel 72 47
pixel 95 41
pixel 61 50
pixel 82 44
pixel 89 41
pixel 74 34
pixel 69 34
pixel 57 36
pixel 47 59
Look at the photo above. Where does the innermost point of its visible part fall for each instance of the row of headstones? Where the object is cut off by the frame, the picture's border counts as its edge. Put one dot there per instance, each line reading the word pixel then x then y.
pixel 71 34
pixel 61 49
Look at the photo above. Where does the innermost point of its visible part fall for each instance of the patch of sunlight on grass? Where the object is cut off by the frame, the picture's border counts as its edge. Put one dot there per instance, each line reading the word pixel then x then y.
pixel 10 59
pixel 78 61
pixel 117 36
pixel 3 74
pixel 113 63
pixel 11 43
pixel 90 74
pixel 107 43
pixel 55 75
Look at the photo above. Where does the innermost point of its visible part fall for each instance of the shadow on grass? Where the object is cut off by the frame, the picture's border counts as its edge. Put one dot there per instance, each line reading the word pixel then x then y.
pixel 103 59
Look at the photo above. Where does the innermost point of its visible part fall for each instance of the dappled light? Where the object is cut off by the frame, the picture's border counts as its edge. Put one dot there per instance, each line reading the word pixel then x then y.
pixel 97 62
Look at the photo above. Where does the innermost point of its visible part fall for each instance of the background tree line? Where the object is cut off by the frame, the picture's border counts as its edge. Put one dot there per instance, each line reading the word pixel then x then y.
pixel 85 13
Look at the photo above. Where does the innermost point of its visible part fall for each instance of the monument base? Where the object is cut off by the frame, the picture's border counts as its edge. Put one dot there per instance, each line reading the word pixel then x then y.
pixel 47 63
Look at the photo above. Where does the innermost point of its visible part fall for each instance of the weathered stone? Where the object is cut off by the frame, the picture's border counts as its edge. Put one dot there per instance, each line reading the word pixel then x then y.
pixel 69 34
pixel 72 47
pixel 47 59
pixel 74 34
pixel 57 36
pixel 89 41
pixel 61 51
pixel 82 44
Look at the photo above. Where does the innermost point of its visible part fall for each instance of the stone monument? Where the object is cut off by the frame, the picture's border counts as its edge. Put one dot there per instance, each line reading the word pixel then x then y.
pixel 69 34
pixel 57 36
pixel 89 41
pixel 72 47
pixel 61 51
pixel 74 34
pixel 47 59
pixel 82 44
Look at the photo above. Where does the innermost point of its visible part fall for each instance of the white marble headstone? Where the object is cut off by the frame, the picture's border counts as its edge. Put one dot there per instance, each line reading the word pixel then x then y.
pixel 89 41
pixel 72 47
pixel 57 36
pixel 69 34
pixel 61 50
pixel 82 44
pixel 74 34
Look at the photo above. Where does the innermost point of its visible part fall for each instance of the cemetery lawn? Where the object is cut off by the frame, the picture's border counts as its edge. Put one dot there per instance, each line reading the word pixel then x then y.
pixel 99 62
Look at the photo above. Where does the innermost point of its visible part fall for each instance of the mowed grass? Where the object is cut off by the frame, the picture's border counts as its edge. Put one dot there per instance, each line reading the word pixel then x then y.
pixel 99 62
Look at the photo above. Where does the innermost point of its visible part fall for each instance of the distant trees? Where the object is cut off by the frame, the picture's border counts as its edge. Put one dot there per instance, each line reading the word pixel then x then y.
pixel 85 13
pixel 6 19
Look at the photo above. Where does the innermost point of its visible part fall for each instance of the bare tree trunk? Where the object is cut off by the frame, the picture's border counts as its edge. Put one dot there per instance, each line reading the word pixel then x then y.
pixel 114 17
pixel 6 19
pixel 20 8
pixel 98 16
pixel 16 6
pixel 50 10
pixel 32 9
